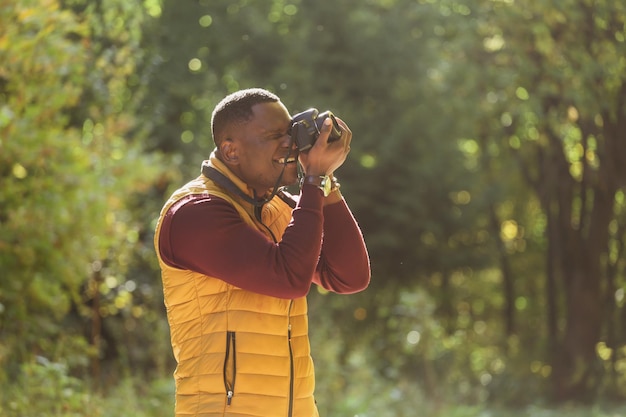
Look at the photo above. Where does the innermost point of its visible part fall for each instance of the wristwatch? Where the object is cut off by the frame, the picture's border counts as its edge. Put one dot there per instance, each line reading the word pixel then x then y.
pixel 323 182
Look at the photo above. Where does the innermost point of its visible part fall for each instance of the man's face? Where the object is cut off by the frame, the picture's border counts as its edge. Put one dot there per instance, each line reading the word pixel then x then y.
pixel 263 144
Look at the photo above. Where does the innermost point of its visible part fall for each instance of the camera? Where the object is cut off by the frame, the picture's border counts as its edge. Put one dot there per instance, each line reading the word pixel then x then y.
pixel 306 126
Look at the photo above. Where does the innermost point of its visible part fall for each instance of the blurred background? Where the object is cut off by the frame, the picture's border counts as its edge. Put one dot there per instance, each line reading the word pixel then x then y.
pixel 488 173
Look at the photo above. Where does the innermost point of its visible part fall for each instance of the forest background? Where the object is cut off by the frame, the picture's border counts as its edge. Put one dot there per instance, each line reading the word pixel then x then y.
pixel 488 173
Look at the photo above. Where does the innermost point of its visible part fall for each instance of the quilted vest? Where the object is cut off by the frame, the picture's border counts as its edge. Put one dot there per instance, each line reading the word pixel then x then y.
pixel 238 353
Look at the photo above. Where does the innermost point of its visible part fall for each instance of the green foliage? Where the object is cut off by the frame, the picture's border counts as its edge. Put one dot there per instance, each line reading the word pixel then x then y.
pixel 46 389
pixel 69 161
pixel 58 394
pixel 547 105
pixel 461 114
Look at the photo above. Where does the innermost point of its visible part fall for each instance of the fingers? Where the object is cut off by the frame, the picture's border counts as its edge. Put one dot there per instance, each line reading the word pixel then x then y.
pixel 327 126
pixel 346 134
pixel 325 157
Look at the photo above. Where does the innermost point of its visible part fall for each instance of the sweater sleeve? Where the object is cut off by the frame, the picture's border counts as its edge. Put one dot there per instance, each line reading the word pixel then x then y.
pixel 206 234
pixel 344 265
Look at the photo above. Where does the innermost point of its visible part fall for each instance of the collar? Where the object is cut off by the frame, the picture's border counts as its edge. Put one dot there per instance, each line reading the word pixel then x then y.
pixel 217 171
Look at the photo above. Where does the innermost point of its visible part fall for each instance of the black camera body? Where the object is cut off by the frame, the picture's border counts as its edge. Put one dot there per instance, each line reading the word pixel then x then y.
pixel 306 126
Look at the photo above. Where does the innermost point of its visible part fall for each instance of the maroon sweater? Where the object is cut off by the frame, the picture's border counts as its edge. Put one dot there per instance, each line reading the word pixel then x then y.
pixel 322 244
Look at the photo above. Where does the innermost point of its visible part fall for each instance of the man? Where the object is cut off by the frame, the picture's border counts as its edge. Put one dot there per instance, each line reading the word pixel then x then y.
pixel 238 257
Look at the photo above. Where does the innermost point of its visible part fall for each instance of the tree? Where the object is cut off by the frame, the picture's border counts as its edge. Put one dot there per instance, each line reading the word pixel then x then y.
pixel 68 166
pixel 557 88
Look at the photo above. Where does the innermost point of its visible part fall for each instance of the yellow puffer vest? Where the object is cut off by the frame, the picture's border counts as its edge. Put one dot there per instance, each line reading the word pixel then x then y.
pixel 239 353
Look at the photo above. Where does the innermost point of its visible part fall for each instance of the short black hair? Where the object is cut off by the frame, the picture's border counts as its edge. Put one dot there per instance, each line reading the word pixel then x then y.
pixel 237 108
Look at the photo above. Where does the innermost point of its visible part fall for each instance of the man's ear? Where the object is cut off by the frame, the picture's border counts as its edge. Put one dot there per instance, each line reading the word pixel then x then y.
pixel 228 150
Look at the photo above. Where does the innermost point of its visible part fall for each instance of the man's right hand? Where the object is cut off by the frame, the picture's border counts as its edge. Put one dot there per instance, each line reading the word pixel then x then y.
pixel 325 157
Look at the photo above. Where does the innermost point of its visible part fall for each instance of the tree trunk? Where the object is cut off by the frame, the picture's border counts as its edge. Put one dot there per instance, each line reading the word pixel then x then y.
pixel 576 368
pixel 96 329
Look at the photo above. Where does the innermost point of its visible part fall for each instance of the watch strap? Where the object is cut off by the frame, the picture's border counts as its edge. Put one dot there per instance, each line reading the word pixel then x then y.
pixel 325 183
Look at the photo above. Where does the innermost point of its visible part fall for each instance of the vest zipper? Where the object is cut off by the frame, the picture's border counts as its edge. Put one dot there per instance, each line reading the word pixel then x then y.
pixel 291 365
pixel 230 367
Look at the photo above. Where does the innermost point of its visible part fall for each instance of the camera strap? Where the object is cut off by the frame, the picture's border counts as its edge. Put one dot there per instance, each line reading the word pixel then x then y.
pixel 225 182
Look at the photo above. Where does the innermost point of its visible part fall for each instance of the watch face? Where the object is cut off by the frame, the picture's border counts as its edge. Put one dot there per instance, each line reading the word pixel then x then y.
pixel 326 185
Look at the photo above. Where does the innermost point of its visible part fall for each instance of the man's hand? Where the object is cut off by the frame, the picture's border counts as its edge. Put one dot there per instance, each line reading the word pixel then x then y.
pixel 324 157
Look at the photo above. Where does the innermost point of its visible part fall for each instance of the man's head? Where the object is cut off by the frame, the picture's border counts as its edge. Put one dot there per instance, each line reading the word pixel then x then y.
pixel 236 109
pixel 251 131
